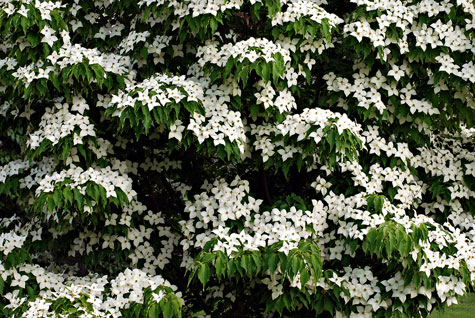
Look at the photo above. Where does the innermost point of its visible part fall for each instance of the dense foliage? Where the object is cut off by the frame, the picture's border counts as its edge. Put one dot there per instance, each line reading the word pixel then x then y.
pixel 232 158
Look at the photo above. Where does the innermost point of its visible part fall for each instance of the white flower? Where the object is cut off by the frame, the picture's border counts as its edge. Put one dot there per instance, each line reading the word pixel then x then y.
pixel 79 104
pixel 176 130
pixel 48 35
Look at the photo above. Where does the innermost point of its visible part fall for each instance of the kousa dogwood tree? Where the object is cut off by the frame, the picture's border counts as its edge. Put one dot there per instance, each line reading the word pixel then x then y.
pixel 236 158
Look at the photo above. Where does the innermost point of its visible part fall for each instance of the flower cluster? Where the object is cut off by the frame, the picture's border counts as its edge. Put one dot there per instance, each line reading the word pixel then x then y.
pixel 107 30
pixel 157 47
pixel 305 8
pixel 69 55
pixel 447 64
pixel 357 223
pixel 76 177
pixel 309 125
pixel 58 122
pixel 433 34
pixel 37 171
pixel 363 291
pixel 131 40
pixel 217 122
pixel 90 296
pixel 209 216
pixel 309 46
pixel 251 49
pixel 267 96
pixel 139 243
pixel 367 90
pixel 11 240
pixel 9 62
pixel 44 7
pixel 12 168
pixel 157 91
pixel 196 8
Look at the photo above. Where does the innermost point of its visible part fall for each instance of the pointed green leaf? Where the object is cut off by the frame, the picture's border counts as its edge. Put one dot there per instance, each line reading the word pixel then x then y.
pixel 204 274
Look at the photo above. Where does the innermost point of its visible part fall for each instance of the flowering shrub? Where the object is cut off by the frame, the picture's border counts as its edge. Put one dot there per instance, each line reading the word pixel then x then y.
pixel 234 158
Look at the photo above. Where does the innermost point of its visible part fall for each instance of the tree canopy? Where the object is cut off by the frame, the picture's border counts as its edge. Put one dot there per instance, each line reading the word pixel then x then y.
pixel 236 158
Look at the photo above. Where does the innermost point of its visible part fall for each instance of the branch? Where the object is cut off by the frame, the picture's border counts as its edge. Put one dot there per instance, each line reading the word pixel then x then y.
pixel 265 186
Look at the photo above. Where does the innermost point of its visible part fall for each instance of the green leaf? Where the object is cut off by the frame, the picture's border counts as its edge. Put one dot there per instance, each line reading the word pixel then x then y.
pixel 82 151
pixel 98 72
pixel 122 197
pixel 257 260
pixel 275 74
pixel 31 292
pixel 312 29
pixel 392 192
pixel 57 197
pixel 89 74
pixel 296 261
pixel 68 195
pixel 244 75
pixel 103 195
pixel 204 274
pixel 33 39
pixel 214 25
pixel 326 29
pixel 78 198
pixel 50 203
pixel 2 286
pixel 272 262
pixel 167 309
pixel 207 257
pixel 147 118
pixel 231 267
pixel 304 278
pixel 24 24
pixel 220 266
pixel 228 67
pixel 332 136
pixel 378 203
pixel 266 70
pixel 279 63
pixel 286 167
pixel 328 304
